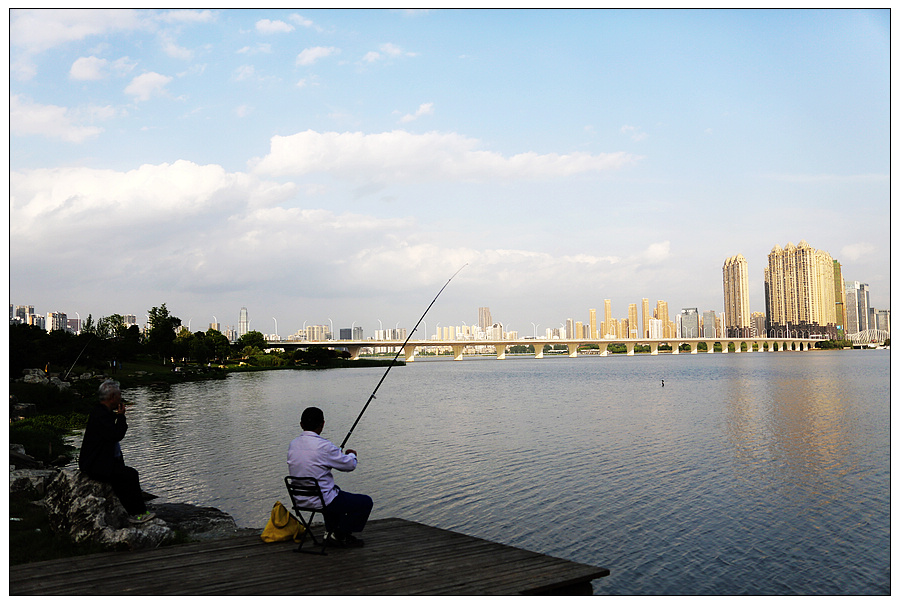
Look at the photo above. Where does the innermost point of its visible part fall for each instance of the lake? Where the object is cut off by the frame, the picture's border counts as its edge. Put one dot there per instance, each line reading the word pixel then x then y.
pixel 750 473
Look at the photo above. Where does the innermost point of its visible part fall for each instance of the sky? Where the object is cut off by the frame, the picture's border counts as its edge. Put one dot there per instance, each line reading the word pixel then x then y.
pixel 337 167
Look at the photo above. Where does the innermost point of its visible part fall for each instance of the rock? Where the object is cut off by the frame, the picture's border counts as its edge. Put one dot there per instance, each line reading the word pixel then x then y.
pixel 31 481
pixel 18 459
pixel 88 510
pixel 199 523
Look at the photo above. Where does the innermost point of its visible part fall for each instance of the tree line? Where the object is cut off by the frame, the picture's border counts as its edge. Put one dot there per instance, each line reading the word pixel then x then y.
pixel 108 342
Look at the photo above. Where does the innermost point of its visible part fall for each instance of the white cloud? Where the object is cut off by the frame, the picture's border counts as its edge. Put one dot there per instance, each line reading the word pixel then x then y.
pixel 304 22
pixel 266 26
pixel 187 16
pixel 311 55
pixel 386 50
pixel 424 109
pixel 855 251
pixel 403 156
pixel 172 49
pixel 244 72
pixel 27 118
pixel 147 85
pixel 635 133
pixel 88 68
pixel 38 30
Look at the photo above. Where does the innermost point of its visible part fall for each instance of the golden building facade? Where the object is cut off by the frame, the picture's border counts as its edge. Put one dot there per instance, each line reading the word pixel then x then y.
pixel 736 285
pixel 800 292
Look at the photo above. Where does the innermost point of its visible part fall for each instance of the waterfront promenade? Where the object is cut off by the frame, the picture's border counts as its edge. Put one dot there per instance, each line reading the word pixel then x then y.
pixel 460 348
pixel 400 558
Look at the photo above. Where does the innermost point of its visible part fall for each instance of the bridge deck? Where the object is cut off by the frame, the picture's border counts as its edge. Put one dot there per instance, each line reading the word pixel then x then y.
pixel 399 558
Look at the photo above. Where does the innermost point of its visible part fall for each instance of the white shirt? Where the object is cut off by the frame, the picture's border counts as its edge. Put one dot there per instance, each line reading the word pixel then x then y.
pixel 311 455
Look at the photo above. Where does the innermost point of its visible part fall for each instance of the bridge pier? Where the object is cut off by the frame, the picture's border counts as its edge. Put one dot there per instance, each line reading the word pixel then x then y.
pixel 538 351
pixel 694 347
pixel 501 351
pixel 458 351
pixel 354 352
pixel 629 346
pixel 675 346
pixel 409 352
pixel 573 350
pixel 654 348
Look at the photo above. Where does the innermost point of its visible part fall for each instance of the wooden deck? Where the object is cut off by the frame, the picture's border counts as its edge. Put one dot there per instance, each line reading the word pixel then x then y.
pixel 400 558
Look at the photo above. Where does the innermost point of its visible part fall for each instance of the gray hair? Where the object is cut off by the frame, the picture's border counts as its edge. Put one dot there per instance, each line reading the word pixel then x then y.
pixel 108 388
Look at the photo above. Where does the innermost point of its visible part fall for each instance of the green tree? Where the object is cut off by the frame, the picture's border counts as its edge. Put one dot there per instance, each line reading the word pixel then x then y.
pixel 161 335
pixel 218 343
pixel 253 339
pixel 112 326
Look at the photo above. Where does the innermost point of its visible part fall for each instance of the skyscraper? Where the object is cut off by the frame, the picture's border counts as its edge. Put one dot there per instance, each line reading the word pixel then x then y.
pixel 243 323
pixel 609 327
pixel 736 284
pixel 857 296
pixel 645 318
pixel 633 325
pixel 840 299
pixel 593 313
pixel 690 323
pixel 800 292
pixel 484 318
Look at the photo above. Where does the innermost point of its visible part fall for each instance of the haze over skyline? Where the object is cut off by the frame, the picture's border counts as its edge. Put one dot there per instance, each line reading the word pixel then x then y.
pixel 316 165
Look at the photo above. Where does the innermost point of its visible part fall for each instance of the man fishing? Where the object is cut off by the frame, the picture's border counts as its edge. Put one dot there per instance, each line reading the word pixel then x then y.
pixel 311 455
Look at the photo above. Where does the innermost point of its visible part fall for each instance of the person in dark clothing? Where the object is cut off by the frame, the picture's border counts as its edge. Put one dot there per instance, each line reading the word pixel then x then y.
pixel 101 456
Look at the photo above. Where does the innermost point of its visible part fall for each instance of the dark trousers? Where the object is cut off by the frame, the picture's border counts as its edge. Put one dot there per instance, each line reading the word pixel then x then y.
pixel 347 513
pixel 127 487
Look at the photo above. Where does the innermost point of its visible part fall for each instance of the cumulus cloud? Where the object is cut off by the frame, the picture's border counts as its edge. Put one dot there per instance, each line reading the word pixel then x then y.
pixel 424 109
pixel 148 85
pixel 38 30
pixel 402 156
pixel 88 68
pixel 386 50
pixel 310 55
pixel 267 26
pixel 28 118
pixel 855 251
pixel 635 133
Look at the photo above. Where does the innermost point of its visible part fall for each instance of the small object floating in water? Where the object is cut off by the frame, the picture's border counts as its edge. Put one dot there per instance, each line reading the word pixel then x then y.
pixel 664 383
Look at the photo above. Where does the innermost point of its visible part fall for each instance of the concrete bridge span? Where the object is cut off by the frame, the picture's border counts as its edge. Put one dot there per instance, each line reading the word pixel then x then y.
pixel 459 347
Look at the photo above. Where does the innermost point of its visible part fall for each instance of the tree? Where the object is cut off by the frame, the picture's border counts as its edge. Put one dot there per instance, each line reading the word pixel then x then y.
pixel 218 344
pixel 253 339
pixel 161 335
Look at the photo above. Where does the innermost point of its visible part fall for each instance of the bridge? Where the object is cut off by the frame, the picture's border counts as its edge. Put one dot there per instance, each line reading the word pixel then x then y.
pixel 459 347
pixel 869 337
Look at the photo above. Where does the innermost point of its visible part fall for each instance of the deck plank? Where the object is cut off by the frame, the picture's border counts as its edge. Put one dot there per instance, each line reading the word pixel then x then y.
pixel 400 558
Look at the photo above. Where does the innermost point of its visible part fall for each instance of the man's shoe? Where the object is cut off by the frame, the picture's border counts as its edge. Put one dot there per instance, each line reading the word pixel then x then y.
pixel 351 541
pixel 337 540
pixel 142 518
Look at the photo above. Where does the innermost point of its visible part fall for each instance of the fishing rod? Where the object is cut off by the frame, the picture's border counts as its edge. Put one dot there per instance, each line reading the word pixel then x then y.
pixel 91 339
pixel 394 360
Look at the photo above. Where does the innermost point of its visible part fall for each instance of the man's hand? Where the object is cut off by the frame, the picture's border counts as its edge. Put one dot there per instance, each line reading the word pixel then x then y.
pixel 351 452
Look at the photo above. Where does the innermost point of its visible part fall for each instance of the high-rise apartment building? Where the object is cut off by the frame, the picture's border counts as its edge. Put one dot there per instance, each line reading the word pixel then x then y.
pixel 634 329
pixel 484 318
pixel 645 318
pixel 709 324
pixel 736 284
pixel 799 282
pixel 593 313
pixel 667 329
pixel 57 320
pixel 609 326
pixel 757 324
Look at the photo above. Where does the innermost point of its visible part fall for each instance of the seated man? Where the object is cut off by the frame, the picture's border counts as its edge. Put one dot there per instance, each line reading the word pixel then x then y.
pixel 101 456
pixel 311 455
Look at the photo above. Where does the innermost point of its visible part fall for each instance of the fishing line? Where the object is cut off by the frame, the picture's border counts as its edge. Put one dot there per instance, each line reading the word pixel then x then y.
pixel 396 356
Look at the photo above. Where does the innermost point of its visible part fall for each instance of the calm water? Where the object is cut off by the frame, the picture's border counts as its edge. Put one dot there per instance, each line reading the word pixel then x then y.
pixel 761 473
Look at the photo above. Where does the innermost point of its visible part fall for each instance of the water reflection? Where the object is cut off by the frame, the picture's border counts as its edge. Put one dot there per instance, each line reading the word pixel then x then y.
pixel 745 474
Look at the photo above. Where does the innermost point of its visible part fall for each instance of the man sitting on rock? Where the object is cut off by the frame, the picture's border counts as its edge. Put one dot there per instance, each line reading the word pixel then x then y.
pixel 101 456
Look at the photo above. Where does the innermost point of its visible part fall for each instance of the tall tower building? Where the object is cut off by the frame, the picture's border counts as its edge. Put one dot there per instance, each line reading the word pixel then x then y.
pixel 840 299
pixel 662 313
pixel 690 323
pixel 484 318
pixel 609 324
pixel 857 296
pixel 243 323
pixel 645 318
pixel 800 292
pixel 736 284
pixel 634 328
pixel 593 312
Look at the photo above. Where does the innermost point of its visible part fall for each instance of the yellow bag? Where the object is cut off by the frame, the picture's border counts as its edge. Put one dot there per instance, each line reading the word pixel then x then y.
pixel 282 526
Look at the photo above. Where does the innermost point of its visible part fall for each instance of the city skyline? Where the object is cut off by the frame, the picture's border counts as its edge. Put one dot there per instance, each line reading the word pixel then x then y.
pixel 316 165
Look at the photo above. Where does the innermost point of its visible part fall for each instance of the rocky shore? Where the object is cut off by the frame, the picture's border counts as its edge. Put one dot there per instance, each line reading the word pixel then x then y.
pixel 85 510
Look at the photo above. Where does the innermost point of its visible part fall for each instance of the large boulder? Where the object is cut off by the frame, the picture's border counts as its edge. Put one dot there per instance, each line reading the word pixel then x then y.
pixel 200 523
pixel 88 510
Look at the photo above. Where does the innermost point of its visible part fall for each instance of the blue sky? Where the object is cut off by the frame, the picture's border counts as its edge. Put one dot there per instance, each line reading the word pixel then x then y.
pixel 338 165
